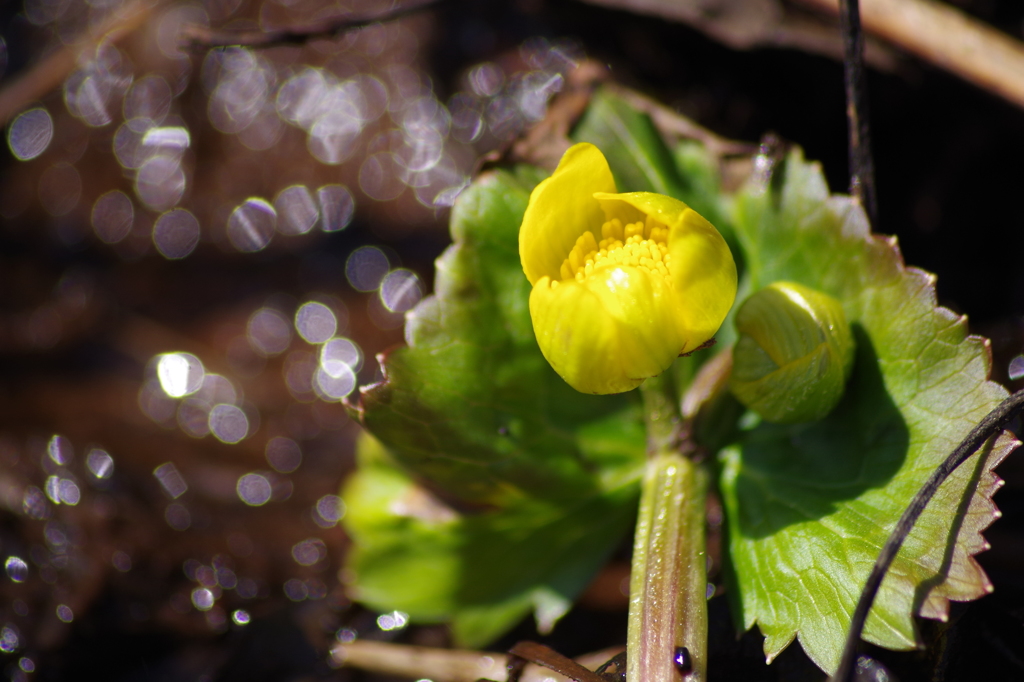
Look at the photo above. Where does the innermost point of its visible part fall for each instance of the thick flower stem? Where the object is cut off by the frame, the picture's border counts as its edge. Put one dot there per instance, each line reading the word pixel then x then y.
pixel 668 583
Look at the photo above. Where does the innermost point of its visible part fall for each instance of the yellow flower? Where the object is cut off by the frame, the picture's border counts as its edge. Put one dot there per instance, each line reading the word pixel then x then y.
pixel 622 283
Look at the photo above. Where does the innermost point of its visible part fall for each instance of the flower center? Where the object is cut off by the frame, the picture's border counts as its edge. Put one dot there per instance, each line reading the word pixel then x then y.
pixel 637 244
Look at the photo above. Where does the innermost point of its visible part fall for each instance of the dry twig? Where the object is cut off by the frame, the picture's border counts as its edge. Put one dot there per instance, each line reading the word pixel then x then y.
pixel 50 73
pixel 445 665
pixel 947 38
pixel 932 30
pixel 202 37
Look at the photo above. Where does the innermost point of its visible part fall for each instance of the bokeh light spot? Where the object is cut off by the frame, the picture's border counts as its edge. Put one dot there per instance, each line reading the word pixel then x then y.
pixel 487 79
pixel 171 480
pixel 100 463
pixel 366 267
pixel 59 449
pixel 89 92
pixel 176 234
pixel 127 142
pixel 396 620
pixel 467 118
pixel 283 454
pixel 337 207
pixel 300 369
pixel 112 216
pixel 30 134
pixel 241 91
pixel 34 504
pixel 9 640
pixel 202 598
pixel 269 332
pixel 333 138
pixel 177 516
pixel 121 561
pixel 64 613
pixel 251 225
pixel 315 322
pixel 240 617
pixel 173 139
pixel 17 569
pixel 374 96
pixel 149 97
pixel 297 211
pixel 422 149
pixel 401 290
pixel 69 492
pixel 160 182
pixel 295 590
pixel 1016 369
pixel 254 489
pixel 194 416
pixel 180 374
pixel 329 510
pixel 52 488
pixel 341 350
pixel 298 98
pixel 379 177
pixel 309 551
pixel 228 423
pixel 335 386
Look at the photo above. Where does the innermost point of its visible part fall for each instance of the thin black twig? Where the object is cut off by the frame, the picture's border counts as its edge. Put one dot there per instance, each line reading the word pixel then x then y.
pixel 202 37
pixel 862 167
pixel 990 426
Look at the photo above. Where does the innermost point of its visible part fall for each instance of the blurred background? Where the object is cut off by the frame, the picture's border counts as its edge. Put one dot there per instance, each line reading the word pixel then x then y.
pixel 203 248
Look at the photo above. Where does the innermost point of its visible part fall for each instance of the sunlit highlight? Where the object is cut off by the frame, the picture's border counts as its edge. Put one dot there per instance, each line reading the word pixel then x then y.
pixel 180 374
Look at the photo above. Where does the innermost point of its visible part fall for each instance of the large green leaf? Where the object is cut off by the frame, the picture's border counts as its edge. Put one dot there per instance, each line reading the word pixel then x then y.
pixel 810 506
pixel 481 571
pixel 470 404
pixel 545 479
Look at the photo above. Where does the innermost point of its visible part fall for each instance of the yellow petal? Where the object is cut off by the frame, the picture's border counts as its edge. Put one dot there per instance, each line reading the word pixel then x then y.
pixel 611 332
pixel 646 311
pixel 636 205
pixel 702 266
pixel 561 208
pixel 704 274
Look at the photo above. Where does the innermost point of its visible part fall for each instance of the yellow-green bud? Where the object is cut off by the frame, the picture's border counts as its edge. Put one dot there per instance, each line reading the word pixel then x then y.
pixel 794 353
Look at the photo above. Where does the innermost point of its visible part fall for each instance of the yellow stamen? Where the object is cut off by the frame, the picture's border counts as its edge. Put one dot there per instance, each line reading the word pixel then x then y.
pixel 636 244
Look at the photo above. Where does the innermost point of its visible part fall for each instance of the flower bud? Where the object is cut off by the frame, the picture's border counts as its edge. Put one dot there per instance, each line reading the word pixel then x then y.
pixel 794 353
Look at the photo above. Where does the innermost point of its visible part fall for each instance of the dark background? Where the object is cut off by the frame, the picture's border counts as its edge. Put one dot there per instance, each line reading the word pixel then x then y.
pixel 950 178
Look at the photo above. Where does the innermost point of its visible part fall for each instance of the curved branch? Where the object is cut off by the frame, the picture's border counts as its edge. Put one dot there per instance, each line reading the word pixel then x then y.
pixel 202 37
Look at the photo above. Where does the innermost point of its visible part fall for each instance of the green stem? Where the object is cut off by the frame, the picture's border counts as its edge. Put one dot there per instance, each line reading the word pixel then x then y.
pixel 668 583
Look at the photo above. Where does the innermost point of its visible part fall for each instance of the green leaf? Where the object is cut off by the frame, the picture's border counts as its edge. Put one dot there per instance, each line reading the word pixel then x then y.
pixel 810 506
pixel 544 479
pixel 482 571
pixel 635 151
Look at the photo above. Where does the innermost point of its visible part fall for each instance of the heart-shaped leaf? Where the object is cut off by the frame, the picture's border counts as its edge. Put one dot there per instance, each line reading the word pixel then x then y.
pixel 544 479
pixel 810 506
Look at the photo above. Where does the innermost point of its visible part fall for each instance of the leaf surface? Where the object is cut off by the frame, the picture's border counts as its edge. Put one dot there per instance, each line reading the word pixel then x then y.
pixel 810 506
pixel 540 481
